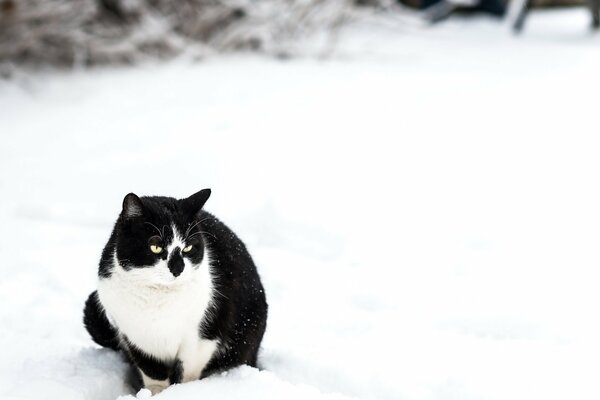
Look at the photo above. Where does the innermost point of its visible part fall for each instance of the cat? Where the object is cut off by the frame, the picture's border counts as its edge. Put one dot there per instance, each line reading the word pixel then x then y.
pixel 178 293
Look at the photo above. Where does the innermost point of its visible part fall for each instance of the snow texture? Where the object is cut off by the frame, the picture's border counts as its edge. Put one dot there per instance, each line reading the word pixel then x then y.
pixel 423 208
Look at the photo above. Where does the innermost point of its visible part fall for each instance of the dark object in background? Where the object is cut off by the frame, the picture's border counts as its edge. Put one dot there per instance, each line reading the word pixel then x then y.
pixel 507 4
pixel 441 10
pixel 437 10
pixel 519 9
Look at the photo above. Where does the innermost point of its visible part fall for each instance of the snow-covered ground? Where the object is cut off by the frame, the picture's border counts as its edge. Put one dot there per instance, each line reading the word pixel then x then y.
pixel 424 208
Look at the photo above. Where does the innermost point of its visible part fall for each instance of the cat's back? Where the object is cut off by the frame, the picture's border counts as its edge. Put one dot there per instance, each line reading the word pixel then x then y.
pixel 239 306
pixel 229 258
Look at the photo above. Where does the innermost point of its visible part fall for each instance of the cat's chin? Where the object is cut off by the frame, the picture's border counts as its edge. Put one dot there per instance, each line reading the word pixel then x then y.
pixel 162 284
pixel 156 276
pixel 168 282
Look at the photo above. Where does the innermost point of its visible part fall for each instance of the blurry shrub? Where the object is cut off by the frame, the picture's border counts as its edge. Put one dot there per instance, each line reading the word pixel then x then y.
pixel 92 32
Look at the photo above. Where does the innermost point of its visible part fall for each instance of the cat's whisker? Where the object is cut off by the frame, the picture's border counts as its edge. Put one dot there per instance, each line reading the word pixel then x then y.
pixel 189 229
pixel 155 227
pixel 192 226
pixel 199 232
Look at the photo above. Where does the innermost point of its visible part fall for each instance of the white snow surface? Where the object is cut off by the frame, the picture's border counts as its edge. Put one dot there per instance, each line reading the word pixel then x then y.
pixel 423 207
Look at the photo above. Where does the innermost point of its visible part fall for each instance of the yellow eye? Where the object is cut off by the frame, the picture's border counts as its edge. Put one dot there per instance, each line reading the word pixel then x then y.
pixel 155 249
pixel 187 249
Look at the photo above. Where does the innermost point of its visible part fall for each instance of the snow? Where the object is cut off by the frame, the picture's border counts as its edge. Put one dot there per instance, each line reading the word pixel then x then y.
pixel 423 207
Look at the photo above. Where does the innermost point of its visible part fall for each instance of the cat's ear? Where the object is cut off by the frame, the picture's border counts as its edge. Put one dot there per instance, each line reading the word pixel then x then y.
pixel 132 206
pixel 195 202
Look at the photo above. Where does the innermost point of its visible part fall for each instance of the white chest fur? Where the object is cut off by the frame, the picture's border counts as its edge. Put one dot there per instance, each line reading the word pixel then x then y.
pixel 162 318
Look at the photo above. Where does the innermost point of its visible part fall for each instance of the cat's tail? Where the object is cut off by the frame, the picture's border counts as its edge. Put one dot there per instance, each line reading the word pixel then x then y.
pixel 97 324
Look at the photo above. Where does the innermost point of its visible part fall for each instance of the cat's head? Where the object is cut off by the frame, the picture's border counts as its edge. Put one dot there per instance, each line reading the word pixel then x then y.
pixel 158 240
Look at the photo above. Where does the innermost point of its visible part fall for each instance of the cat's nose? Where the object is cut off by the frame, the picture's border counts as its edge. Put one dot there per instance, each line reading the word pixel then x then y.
pixel 175 263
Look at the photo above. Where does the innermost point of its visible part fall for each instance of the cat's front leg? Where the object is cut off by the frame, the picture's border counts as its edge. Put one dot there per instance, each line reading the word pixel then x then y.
pixel 153 385
pixel 157 386
pixel 156 374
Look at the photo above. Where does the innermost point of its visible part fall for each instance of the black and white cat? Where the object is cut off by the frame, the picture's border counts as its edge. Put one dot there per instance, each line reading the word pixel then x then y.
pixel 178 292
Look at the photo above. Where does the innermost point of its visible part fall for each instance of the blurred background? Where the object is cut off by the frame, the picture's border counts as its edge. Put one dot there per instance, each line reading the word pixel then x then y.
pixel 83 33
pixel 417 183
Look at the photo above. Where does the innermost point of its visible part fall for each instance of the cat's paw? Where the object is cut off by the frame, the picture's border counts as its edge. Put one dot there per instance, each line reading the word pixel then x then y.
pixel 143 394
pixel 153 385
pixel 156 388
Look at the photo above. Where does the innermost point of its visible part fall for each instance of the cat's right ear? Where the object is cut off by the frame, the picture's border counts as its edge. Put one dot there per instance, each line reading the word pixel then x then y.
pixel 195 202
pixel 132 206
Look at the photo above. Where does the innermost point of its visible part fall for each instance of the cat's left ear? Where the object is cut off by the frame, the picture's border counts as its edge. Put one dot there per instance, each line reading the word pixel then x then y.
pixel 132 206
pixel 195 202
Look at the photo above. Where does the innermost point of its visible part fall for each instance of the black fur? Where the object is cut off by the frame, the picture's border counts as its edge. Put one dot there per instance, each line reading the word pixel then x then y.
pixel 239 312
pixel 155 369
pixel 97 324
pixel 176 262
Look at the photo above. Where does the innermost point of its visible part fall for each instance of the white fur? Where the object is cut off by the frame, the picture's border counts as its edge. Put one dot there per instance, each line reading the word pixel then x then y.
pixel 153 385
pixel 161 314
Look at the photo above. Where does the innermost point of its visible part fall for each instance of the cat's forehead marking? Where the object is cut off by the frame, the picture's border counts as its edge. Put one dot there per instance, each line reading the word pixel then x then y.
pixel 174 226
pixel 177 239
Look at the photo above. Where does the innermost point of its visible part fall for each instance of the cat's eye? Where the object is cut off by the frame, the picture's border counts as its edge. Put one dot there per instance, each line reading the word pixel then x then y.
pixel 155 249
pixel 187 249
